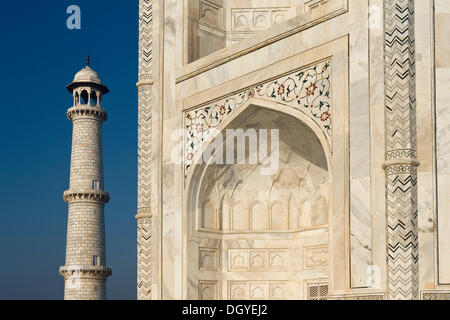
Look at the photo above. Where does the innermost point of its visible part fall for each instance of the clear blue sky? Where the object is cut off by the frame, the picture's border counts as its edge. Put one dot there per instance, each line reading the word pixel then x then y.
pixel 38 57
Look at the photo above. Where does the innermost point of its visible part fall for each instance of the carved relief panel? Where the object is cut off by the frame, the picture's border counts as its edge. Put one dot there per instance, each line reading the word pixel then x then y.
pixel 211 12
pixel 315 257
pixel 257 19
pixel 248 22
pixel 257 290
pixel 208 290
pixel 208 259
pixel 258 260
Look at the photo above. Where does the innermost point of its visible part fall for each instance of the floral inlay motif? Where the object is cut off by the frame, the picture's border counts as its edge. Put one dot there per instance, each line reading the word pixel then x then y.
pixel 307 90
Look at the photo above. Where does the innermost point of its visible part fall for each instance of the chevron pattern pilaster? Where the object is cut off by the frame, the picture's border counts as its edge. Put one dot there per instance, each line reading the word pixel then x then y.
pixel 144 214
pixel 401 158
pixel 144 256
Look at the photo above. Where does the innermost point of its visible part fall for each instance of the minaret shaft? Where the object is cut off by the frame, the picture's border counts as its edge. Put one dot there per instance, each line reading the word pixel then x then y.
pixel 87 156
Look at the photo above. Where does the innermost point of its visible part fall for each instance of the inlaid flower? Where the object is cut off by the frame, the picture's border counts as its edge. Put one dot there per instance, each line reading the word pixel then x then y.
pixel 281 90
pixel 325 116
pixel 251 93
pixel 311 89
pixel 222 110
pixel 190 156
pixel 199 127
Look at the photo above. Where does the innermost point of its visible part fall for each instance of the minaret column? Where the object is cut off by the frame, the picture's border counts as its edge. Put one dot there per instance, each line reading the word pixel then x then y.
pixel 85 269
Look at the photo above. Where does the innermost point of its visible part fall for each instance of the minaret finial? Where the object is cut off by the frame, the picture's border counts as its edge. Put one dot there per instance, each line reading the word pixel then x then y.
pixel 88 62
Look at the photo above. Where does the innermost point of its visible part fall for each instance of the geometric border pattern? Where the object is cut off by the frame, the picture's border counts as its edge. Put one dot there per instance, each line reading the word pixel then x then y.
pixel 365 297
pixel 401 156
pixel 436 295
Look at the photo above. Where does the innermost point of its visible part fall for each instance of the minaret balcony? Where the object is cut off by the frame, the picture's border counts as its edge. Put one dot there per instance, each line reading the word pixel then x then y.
pixel 90 195
pixel 83 111
pixel 85 271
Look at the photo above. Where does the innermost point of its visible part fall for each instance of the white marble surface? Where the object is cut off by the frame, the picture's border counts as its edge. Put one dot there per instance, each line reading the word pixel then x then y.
pixel 425 145
pixel 360 130
pixel 442 16
pixel 377 143
pixel 356 233
pixel 443 168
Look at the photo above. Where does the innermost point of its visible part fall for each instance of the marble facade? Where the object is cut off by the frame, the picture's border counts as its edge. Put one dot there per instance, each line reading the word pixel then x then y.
pixel 327 223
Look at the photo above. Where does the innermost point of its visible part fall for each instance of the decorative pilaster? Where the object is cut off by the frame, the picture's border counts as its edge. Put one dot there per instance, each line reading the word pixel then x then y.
pixel 144 214
pixel 401 156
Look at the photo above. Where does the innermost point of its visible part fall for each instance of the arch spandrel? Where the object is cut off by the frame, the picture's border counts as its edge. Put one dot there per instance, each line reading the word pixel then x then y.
pixel 307 90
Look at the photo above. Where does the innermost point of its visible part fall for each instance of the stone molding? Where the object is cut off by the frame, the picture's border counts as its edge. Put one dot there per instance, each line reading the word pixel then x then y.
pixel 149 82
pixel 401 169
pixel 143 218
pixel 401 154
pixel 363 296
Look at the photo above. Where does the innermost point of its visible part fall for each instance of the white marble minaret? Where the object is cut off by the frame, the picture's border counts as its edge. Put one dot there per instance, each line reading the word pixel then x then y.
pixel 85 271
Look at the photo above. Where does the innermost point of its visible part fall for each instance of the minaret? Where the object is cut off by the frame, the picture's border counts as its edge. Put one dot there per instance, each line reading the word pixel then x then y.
pixel 85 271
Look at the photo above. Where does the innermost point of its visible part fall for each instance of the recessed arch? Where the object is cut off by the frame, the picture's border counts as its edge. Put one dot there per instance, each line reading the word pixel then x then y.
pixel 76 98
pixel 259 215
pixel 245 111
pixel 84 97
pixel 94 99
pixel 321 212
pixel 242 212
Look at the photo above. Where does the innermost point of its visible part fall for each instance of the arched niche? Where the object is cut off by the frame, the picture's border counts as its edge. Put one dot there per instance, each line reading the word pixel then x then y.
pixel 76 98
pixel 258 208
pixel 94 99
pixel 301 182
pixel 84 97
